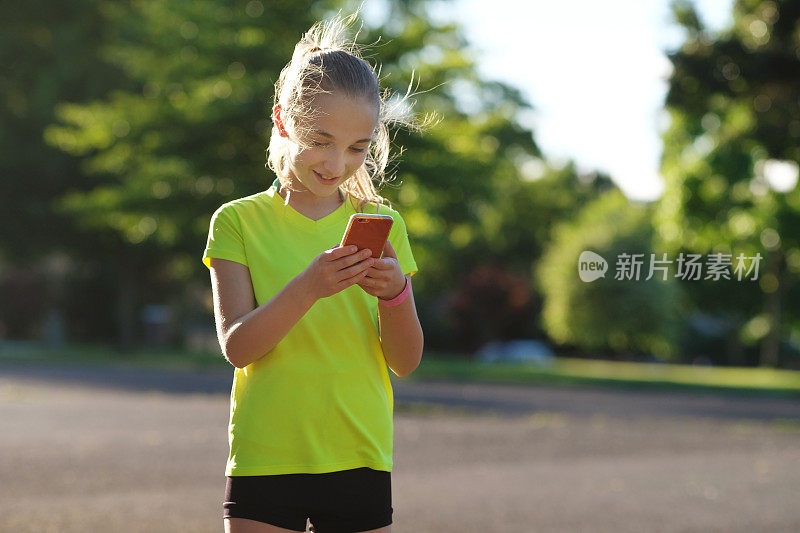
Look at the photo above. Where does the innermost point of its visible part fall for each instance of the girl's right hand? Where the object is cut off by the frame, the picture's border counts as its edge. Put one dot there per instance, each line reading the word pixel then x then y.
pixel 336 269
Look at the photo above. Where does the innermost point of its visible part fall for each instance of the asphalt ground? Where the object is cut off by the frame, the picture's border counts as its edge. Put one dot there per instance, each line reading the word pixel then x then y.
pixel 111 450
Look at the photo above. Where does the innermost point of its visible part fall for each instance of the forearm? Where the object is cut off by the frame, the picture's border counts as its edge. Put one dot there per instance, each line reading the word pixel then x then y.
pixel 401 336
pixel 259 331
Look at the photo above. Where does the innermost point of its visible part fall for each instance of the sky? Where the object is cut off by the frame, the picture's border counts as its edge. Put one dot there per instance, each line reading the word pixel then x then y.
pixel 595 73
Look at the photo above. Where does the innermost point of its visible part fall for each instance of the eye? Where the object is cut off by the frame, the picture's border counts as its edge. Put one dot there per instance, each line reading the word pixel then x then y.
pixel 318 143
pixel 359 150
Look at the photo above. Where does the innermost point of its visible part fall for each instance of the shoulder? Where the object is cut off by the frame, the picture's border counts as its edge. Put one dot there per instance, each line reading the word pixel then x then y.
pixel 384 209
pixel 241 206
pixel 399 224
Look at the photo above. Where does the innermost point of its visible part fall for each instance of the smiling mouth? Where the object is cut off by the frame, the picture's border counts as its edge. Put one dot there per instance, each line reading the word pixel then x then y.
pixel 323 179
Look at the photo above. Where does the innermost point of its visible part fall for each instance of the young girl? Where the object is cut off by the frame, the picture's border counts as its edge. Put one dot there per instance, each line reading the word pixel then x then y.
pixel 309 325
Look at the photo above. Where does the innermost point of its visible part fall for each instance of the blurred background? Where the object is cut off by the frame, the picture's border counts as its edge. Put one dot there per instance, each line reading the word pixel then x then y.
pixel 126 124
pixel 543 402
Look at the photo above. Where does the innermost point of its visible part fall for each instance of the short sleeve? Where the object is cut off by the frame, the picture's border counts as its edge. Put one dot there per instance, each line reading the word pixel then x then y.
pixel 398 236
pixel 225 237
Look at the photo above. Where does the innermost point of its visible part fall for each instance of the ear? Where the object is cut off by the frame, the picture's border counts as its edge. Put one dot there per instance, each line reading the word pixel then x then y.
pixel 276 118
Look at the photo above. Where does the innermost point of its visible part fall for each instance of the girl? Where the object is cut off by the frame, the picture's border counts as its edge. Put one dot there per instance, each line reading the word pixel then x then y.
pixel 309 325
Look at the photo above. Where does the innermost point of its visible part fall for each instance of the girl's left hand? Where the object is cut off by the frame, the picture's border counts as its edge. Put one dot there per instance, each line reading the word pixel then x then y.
pixel 384 278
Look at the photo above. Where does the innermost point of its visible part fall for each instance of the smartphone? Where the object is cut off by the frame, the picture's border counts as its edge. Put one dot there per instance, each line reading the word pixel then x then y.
pixel 368 231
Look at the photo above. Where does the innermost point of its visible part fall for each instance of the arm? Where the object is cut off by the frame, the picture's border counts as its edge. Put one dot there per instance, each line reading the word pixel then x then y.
pixel 247 332
pixel 401 335
pixel 398 326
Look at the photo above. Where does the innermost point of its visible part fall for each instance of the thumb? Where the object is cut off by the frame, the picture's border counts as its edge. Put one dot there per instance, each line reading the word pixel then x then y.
pixel 388 250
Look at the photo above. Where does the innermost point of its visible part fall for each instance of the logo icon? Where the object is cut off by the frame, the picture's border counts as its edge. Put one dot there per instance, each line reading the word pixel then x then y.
pixel 591 266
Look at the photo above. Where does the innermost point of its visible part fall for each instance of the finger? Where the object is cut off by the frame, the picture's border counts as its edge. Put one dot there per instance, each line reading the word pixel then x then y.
pixel 388 250
pixel 358 278
pixel 357 268
pixel 379 277
pixel 340 251
pixel 351 259
pixel 374 273
pixel 385 264
pixel 367 282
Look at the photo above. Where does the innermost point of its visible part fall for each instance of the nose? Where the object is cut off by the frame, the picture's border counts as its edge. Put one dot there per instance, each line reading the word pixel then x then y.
pixel 334 164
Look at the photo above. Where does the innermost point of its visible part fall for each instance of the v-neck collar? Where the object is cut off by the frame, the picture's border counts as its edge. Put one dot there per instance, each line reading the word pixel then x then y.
pixel 291 214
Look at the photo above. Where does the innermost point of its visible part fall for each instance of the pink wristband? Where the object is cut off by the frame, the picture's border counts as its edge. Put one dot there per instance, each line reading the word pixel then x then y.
pixel 397 300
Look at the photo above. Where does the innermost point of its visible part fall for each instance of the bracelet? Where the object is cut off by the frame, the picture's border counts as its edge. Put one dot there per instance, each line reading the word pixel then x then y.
pixel 400 298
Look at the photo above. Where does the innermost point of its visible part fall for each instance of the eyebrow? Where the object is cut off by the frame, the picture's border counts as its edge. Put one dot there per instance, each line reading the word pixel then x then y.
pixel 329 136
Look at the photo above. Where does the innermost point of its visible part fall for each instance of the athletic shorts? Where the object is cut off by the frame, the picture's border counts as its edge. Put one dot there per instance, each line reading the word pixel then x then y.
pixel 336 502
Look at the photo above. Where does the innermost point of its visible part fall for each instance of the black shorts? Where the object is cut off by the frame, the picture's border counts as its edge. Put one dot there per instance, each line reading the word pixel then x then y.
pixel 336 502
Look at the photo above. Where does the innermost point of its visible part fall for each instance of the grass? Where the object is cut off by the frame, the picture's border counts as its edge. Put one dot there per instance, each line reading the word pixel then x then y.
pixel 102 355
pixel 572 371
pixel 453 367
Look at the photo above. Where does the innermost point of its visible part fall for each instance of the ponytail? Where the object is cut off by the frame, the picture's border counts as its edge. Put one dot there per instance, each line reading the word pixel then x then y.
pixel 325 61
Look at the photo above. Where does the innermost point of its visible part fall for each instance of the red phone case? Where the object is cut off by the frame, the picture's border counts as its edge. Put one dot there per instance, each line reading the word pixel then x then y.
pixel 368 232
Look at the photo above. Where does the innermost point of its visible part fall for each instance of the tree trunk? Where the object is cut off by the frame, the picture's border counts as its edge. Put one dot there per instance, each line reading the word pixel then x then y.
pixel 734 349
pixel 770 346
pixel 126 306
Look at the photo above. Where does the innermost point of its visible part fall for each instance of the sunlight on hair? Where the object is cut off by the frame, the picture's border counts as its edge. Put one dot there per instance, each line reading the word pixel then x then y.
pixel 326 60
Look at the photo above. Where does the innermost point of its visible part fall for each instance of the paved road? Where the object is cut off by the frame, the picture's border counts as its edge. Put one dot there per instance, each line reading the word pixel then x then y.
pixel 129 451
pixel 503 399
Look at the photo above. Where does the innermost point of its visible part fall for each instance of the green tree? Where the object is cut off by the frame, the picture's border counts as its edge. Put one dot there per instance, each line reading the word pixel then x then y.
pixel 185 135
pixel 625 315
pixel 466 196
pixel 451 179
pixel 49 53
pixel 734 105
pixel 191 131
pixel 529 208
pixel 510 237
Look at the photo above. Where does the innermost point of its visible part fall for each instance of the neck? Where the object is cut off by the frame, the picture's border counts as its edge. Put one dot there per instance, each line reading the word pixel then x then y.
pixel 286 194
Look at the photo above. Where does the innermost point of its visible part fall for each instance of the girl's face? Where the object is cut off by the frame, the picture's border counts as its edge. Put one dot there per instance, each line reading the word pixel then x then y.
pixel 338 142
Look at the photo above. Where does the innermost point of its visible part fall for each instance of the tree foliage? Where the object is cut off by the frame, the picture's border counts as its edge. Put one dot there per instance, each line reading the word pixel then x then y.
pixel 188 131
pixel 734 104
pixel 626 315
pixel 156 112
pixel 49 53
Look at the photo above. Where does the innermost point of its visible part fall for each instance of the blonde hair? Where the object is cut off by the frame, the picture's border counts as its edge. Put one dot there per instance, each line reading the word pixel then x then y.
pixel 324 61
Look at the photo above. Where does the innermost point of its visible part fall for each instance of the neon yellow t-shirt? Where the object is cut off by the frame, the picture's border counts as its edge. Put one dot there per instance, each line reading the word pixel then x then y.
pixel 321 400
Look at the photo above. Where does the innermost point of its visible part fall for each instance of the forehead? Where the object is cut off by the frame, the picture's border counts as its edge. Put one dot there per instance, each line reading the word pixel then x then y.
pixel 344 118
